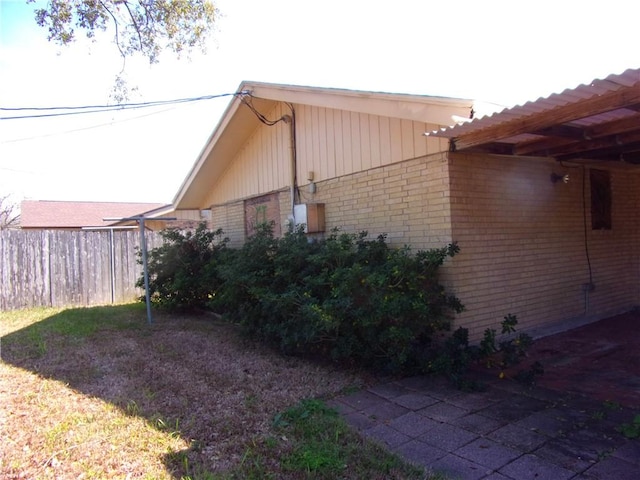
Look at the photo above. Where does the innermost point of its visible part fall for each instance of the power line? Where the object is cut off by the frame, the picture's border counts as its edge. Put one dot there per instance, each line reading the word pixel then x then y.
pixel 85 109
pixel 121 105
pixel 100 125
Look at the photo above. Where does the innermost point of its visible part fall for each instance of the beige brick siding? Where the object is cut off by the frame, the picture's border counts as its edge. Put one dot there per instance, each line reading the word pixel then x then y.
pixel 286 213
pixel 522 242
pixel 522 237
pixel 407 201
pixel 230 217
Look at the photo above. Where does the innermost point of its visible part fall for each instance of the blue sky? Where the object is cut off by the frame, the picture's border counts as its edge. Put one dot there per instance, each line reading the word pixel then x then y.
pixel 504 52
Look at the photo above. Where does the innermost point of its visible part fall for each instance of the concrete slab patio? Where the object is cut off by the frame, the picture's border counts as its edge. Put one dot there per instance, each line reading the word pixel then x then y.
pixel 557 431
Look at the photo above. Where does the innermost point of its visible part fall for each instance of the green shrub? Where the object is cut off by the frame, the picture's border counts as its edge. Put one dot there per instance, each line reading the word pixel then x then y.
pixel 183 271
pixel 454 358
pixel 631 429
pixel 346 297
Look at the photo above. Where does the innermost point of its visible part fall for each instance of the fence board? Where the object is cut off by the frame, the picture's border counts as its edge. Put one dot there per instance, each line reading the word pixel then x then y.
pixel 63 268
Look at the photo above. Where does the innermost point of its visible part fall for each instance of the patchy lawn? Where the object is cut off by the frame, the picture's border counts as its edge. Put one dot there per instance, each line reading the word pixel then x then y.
pixel 98 393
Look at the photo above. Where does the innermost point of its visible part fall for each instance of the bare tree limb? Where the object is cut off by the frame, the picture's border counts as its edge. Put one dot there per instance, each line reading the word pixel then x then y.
pixel 9 214
pixel 135 25
pixel 115 23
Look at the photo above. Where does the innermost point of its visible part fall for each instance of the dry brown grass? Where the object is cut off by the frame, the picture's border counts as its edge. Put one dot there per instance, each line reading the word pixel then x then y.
pixel 97 393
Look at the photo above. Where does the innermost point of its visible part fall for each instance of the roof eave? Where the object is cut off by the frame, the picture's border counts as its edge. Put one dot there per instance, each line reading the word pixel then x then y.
pixel 436 110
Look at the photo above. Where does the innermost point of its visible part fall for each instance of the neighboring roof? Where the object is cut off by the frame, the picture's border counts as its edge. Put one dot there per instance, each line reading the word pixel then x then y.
pixel 61 214
pixel 599 121
pixel 237 124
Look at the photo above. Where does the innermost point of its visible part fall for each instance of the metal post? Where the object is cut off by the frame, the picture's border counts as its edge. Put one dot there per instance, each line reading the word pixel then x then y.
pixel 143 247
pixel 145 269
pixel 112 265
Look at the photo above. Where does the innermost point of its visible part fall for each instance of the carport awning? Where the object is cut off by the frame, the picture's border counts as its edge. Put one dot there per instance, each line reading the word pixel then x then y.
pixel 599 121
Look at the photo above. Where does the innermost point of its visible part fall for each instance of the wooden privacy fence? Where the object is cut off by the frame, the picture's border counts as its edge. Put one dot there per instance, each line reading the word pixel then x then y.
pixel 63 268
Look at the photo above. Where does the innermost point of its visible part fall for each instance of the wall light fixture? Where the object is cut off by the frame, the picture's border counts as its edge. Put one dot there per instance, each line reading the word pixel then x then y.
pixel 555 178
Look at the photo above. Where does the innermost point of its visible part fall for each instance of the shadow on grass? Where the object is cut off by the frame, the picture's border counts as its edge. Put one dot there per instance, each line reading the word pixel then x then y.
pixel 191 379
pixel 113 354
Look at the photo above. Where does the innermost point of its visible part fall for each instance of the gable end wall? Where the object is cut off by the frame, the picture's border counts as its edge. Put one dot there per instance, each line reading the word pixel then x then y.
pixel 330 143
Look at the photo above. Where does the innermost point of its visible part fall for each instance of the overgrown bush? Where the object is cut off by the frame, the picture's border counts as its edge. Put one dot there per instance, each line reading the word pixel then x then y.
pixel 456 355
pixel 183 271
pixel 347 297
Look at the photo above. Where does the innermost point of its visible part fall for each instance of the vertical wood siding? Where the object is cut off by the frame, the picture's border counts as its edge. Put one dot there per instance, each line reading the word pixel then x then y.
pixel 60 268
pixel 261 166
pixel 331 143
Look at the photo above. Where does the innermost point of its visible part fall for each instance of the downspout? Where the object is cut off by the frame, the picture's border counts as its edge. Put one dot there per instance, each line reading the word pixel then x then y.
pixel 293 159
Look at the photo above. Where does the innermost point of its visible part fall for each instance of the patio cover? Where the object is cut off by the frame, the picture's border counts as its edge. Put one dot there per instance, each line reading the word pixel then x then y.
pixel 595 122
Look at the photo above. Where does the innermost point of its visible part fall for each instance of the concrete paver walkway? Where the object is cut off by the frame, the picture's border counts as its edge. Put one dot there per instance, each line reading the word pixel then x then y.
pixel 506 432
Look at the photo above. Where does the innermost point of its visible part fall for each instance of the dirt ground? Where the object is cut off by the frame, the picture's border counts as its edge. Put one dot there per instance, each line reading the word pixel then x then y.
pixel 191 385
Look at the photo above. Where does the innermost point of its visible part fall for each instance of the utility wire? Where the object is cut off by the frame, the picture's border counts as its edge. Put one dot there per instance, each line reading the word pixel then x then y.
pixel 100 125
pixel 247 99
pixel 84 109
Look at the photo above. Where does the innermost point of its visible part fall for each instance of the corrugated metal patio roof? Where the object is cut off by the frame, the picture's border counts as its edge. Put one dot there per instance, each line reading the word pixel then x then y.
pixel 599 121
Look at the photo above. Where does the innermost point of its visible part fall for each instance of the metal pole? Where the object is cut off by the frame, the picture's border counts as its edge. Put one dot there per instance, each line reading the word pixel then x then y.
pixel 145 269
pixel 112 264
pixel 143 247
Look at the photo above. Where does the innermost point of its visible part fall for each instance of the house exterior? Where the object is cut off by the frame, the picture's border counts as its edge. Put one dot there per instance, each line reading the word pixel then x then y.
pixel 544 203
pixel 384 163
pixel 64 215
pixel 350 143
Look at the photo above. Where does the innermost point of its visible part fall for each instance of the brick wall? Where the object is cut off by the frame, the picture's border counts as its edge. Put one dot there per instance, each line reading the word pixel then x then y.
pixel 522 237
pixel 522 241
pixel 285 209
pixel 230 217
pixel 408 201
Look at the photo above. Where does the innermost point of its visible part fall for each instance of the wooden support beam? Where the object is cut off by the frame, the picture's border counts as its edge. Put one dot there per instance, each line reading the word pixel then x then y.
pixel 544 145
pixel 494 148
pixel 614 127
pixel 620 98
pixel 615 141
pixel 562 131
pixel 540 147
pixel 604 151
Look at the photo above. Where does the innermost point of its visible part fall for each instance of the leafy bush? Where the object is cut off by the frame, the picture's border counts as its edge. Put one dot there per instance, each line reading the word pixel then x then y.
pixel 453 359
pixel 456 355
pixel 183 271
pixel 347 298
pixel 353 299
pixel 631 429
pixel 511 348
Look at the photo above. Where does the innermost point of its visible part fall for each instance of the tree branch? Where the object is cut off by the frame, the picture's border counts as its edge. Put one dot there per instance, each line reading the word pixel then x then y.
pixel 115 23
pixel 135 25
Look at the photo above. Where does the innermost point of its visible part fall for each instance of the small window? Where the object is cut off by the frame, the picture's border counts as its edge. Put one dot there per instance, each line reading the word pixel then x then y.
pixel 600 200
pixel 262 210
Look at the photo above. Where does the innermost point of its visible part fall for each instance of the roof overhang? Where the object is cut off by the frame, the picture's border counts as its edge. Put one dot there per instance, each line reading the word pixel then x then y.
pixel 596 122
pixel 150 214
pixel 238 123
